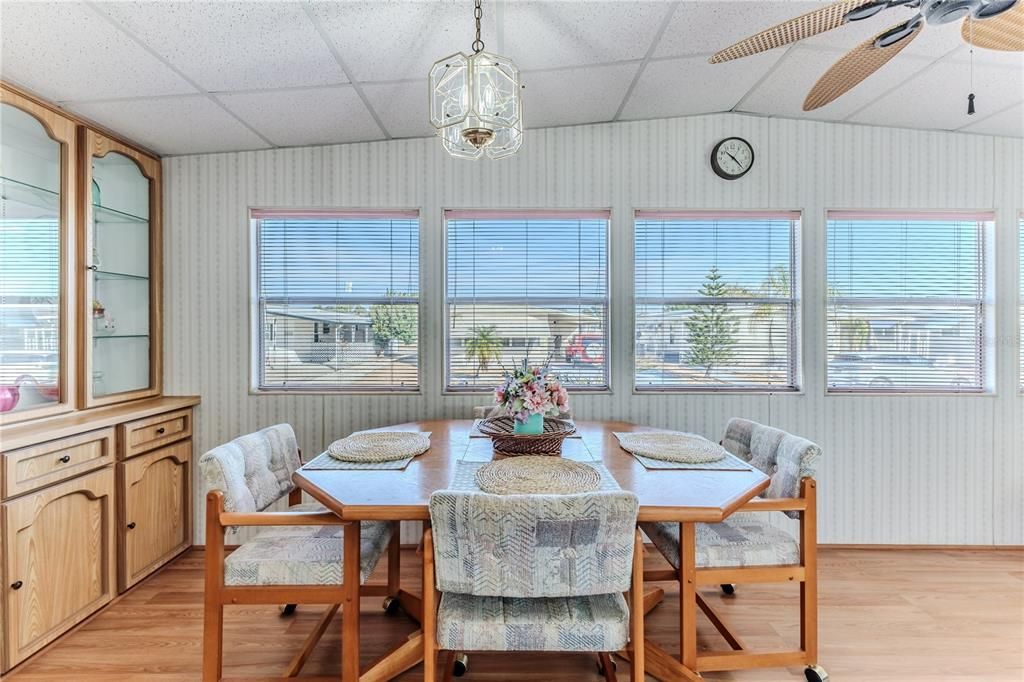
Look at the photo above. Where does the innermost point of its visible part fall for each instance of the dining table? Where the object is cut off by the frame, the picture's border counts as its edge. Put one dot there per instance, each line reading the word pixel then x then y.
pixel 686 496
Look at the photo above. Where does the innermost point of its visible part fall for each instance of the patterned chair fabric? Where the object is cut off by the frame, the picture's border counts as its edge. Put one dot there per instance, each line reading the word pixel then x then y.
pixel 589 623
pixel 533 545
pixel 253 471
pixel 782 456
pixel 743 539
pixel 304 555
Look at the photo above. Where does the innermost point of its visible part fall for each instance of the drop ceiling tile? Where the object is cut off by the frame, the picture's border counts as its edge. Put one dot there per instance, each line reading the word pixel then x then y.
pixel 572 96
pixel 233 45
pixel 937 97
pixel 301 117
pixel 783 92
pixel 65 51
pixel 397 40
pixel 1009 122
pixel 685 86
pixel 540 35
pixel 402 107
pixel 706 27
pixel 173 125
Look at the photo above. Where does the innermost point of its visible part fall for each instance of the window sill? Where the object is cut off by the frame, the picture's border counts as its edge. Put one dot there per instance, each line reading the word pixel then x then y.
pixel 336 392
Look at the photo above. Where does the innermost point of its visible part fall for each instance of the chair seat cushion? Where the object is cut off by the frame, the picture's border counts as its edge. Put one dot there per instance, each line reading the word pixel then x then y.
pixel 311 558
pixel 743 539
pixel 591 623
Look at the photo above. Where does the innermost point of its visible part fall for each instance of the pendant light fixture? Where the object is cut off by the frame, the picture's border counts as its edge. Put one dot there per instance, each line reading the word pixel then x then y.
pixel 475 102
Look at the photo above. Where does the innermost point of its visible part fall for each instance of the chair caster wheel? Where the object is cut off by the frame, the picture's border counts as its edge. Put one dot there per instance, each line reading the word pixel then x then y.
pixel 391 605
pixel 815 673
pixel 600 666
pixel 461 665
pixel 728 589
pixel 287 610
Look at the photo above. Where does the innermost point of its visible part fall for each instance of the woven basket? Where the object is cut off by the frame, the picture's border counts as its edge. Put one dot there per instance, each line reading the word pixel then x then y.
pixel 499 430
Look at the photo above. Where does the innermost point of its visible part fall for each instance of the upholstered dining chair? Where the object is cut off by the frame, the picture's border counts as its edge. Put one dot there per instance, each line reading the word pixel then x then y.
pixel 532 573
pixel 746 547
pixel 297 558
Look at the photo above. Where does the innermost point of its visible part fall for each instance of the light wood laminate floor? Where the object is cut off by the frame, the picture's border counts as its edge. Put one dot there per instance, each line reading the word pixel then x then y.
pixel 936 615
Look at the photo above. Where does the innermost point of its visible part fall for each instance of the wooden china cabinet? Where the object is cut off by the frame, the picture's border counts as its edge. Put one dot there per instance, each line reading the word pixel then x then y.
pixel 95 463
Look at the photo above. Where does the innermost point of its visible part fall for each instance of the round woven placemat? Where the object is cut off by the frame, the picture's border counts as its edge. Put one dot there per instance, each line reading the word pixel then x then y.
pixel 537 475
pixel 379 446
pixel 672 447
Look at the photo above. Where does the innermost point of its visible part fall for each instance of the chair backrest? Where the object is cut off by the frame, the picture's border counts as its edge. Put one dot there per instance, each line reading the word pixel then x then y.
pixel 533 545
pixel 253 471
pixel 784 457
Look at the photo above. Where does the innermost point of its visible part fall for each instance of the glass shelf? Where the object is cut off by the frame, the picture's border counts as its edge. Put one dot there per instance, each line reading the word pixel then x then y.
pixel 29 195
pixel 102 214
pixel 106 275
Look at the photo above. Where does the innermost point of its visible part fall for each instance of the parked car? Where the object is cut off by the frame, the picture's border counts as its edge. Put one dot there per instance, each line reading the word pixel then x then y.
pixel 877 369
pixel 585 347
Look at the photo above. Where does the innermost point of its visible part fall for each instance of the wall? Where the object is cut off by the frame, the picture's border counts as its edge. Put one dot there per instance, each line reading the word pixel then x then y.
pixel 899 469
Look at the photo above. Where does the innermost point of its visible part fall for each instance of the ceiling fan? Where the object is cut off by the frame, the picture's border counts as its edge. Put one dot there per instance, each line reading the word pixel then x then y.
pixel 990 24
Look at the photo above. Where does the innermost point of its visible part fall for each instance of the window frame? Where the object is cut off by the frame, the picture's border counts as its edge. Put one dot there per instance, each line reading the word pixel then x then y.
pixel 539 214
pixel 255 308
pixel 985 219
pixel 795 303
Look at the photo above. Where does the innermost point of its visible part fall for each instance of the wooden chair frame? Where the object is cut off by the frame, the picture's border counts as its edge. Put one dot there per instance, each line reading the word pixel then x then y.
pixel 635 599
pixel 738 657
pixel 218 595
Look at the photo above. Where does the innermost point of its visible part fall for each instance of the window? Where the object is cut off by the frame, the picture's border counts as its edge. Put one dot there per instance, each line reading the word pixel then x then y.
pixel 337 297
pixel 526 285
pixel 906 302
pixel 716 301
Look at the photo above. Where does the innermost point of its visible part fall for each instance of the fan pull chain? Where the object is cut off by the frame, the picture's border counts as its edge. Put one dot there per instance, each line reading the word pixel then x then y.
pixel 970 97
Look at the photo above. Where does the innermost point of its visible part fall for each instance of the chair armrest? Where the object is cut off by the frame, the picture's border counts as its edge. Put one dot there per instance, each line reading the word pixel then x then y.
pixel 284 518
pixel 775 504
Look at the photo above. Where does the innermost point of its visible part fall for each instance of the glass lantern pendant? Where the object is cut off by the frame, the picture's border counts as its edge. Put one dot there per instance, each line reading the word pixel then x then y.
pixel 475 102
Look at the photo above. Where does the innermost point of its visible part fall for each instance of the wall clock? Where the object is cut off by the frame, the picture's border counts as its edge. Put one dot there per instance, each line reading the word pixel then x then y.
pixel 732 158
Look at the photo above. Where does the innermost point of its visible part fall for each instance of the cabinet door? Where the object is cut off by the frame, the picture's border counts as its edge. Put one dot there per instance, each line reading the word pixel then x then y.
pixel 156 510
pixel 58 560
pixel 37 195
pixel 120 255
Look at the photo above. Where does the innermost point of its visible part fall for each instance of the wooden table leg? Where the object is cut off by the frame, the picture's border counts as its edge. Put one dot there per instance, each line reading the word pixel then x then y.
pixel 395 662
pixel 350 608
pixel 688 595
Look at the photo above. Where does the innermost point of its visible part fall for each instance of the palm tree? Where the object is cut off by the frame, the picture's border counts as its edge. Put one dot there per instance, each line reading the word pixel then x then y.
pixel 777 285
pixel 484 346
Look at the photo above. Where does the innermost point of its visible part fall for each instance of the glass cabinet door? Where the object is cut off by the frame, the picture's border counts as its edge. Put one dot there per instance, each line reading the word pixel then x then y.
pixel 120 282
pixel 36 192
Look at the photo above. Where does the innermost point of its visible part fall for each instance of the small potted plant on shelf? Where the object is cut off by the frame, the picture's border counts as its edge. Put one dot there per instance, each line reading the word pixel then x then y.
pixel 528 394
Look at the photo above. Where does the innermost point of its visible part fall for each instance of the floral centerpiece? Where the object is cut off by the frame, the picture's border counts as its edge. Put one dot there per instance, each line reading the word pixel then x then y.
pixel 529 393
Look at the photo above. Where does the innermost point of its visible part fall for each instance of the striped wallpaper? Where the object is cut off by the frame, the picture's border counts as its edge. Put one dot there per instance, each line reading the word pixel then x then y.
pixel 896 469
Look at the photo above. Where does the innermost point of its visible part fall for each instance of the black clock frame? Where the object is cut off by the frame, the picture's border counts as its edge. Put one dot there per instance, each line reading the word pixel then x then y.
pixel 722 173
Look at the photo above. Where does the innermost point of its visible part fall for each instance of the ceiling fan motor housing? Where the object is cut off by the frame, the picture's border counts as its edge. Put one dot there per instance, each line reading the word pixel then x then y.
pixel 944 11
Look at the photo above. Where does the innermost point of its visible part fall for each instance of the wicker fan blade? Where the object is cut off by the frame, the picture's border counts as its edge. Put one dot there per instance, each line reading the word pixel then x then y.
pixel 1002 32
pixel 798 28
pixel 855 66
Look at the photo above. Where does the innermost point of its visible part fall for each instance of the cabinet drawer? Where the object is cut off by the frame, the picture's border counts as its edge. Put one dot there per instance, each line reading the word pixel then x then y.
pixel 40 465
pixel 143 435
pixel 155 503
pixel 58 560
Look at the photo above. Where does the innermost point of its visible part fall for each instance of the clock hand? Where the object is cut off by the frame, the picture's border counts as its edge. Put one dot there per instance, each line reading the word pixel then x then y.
pixel 734 159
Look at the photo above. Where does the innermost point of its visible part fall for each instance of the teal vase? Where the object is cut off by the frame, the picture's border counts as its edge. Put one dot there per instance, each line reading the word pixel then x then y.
pixel 533 426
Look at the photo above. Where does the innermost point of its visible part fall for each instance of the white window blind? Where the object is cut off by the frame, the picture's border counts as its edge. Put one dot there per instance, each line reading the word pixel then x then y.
pixel 530 285
pixel 716 300
pixel 338 300
pixel 906 302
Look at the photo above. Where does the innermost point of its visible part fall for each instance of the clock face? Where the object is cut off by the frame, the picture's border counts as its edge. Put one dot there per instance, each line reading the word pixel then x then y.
pixel 732 158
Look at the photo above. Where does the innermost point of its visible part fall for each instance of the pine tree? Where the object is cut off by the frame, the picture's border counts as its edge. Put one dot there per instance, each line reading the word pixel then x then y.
pixel 711 329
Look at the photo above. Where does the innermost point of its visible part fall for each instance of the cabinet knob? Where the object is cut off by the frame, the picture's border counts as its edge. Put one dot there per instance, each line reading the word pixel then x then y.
pixel 160 431
pixel 16 585
pixel 65 459
pixel 131 525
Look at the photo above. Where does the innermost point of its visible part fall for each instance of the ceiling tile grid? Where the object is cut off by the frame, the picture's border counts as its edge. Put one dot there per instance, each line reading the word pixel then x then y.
pixel 216 76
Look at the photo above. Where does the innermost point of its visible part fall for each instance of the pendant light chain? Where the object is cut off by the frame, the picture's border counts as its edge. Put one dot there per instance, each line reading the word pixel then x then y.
pixel 478 13
pixel 970 97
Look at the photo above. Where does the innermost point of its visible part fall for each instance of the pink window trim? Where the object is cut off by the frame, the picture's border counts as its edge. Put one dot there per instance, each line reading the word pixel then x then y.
pixel 517 214
pixel 716 215
pixel 902 216
pixel 309 213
